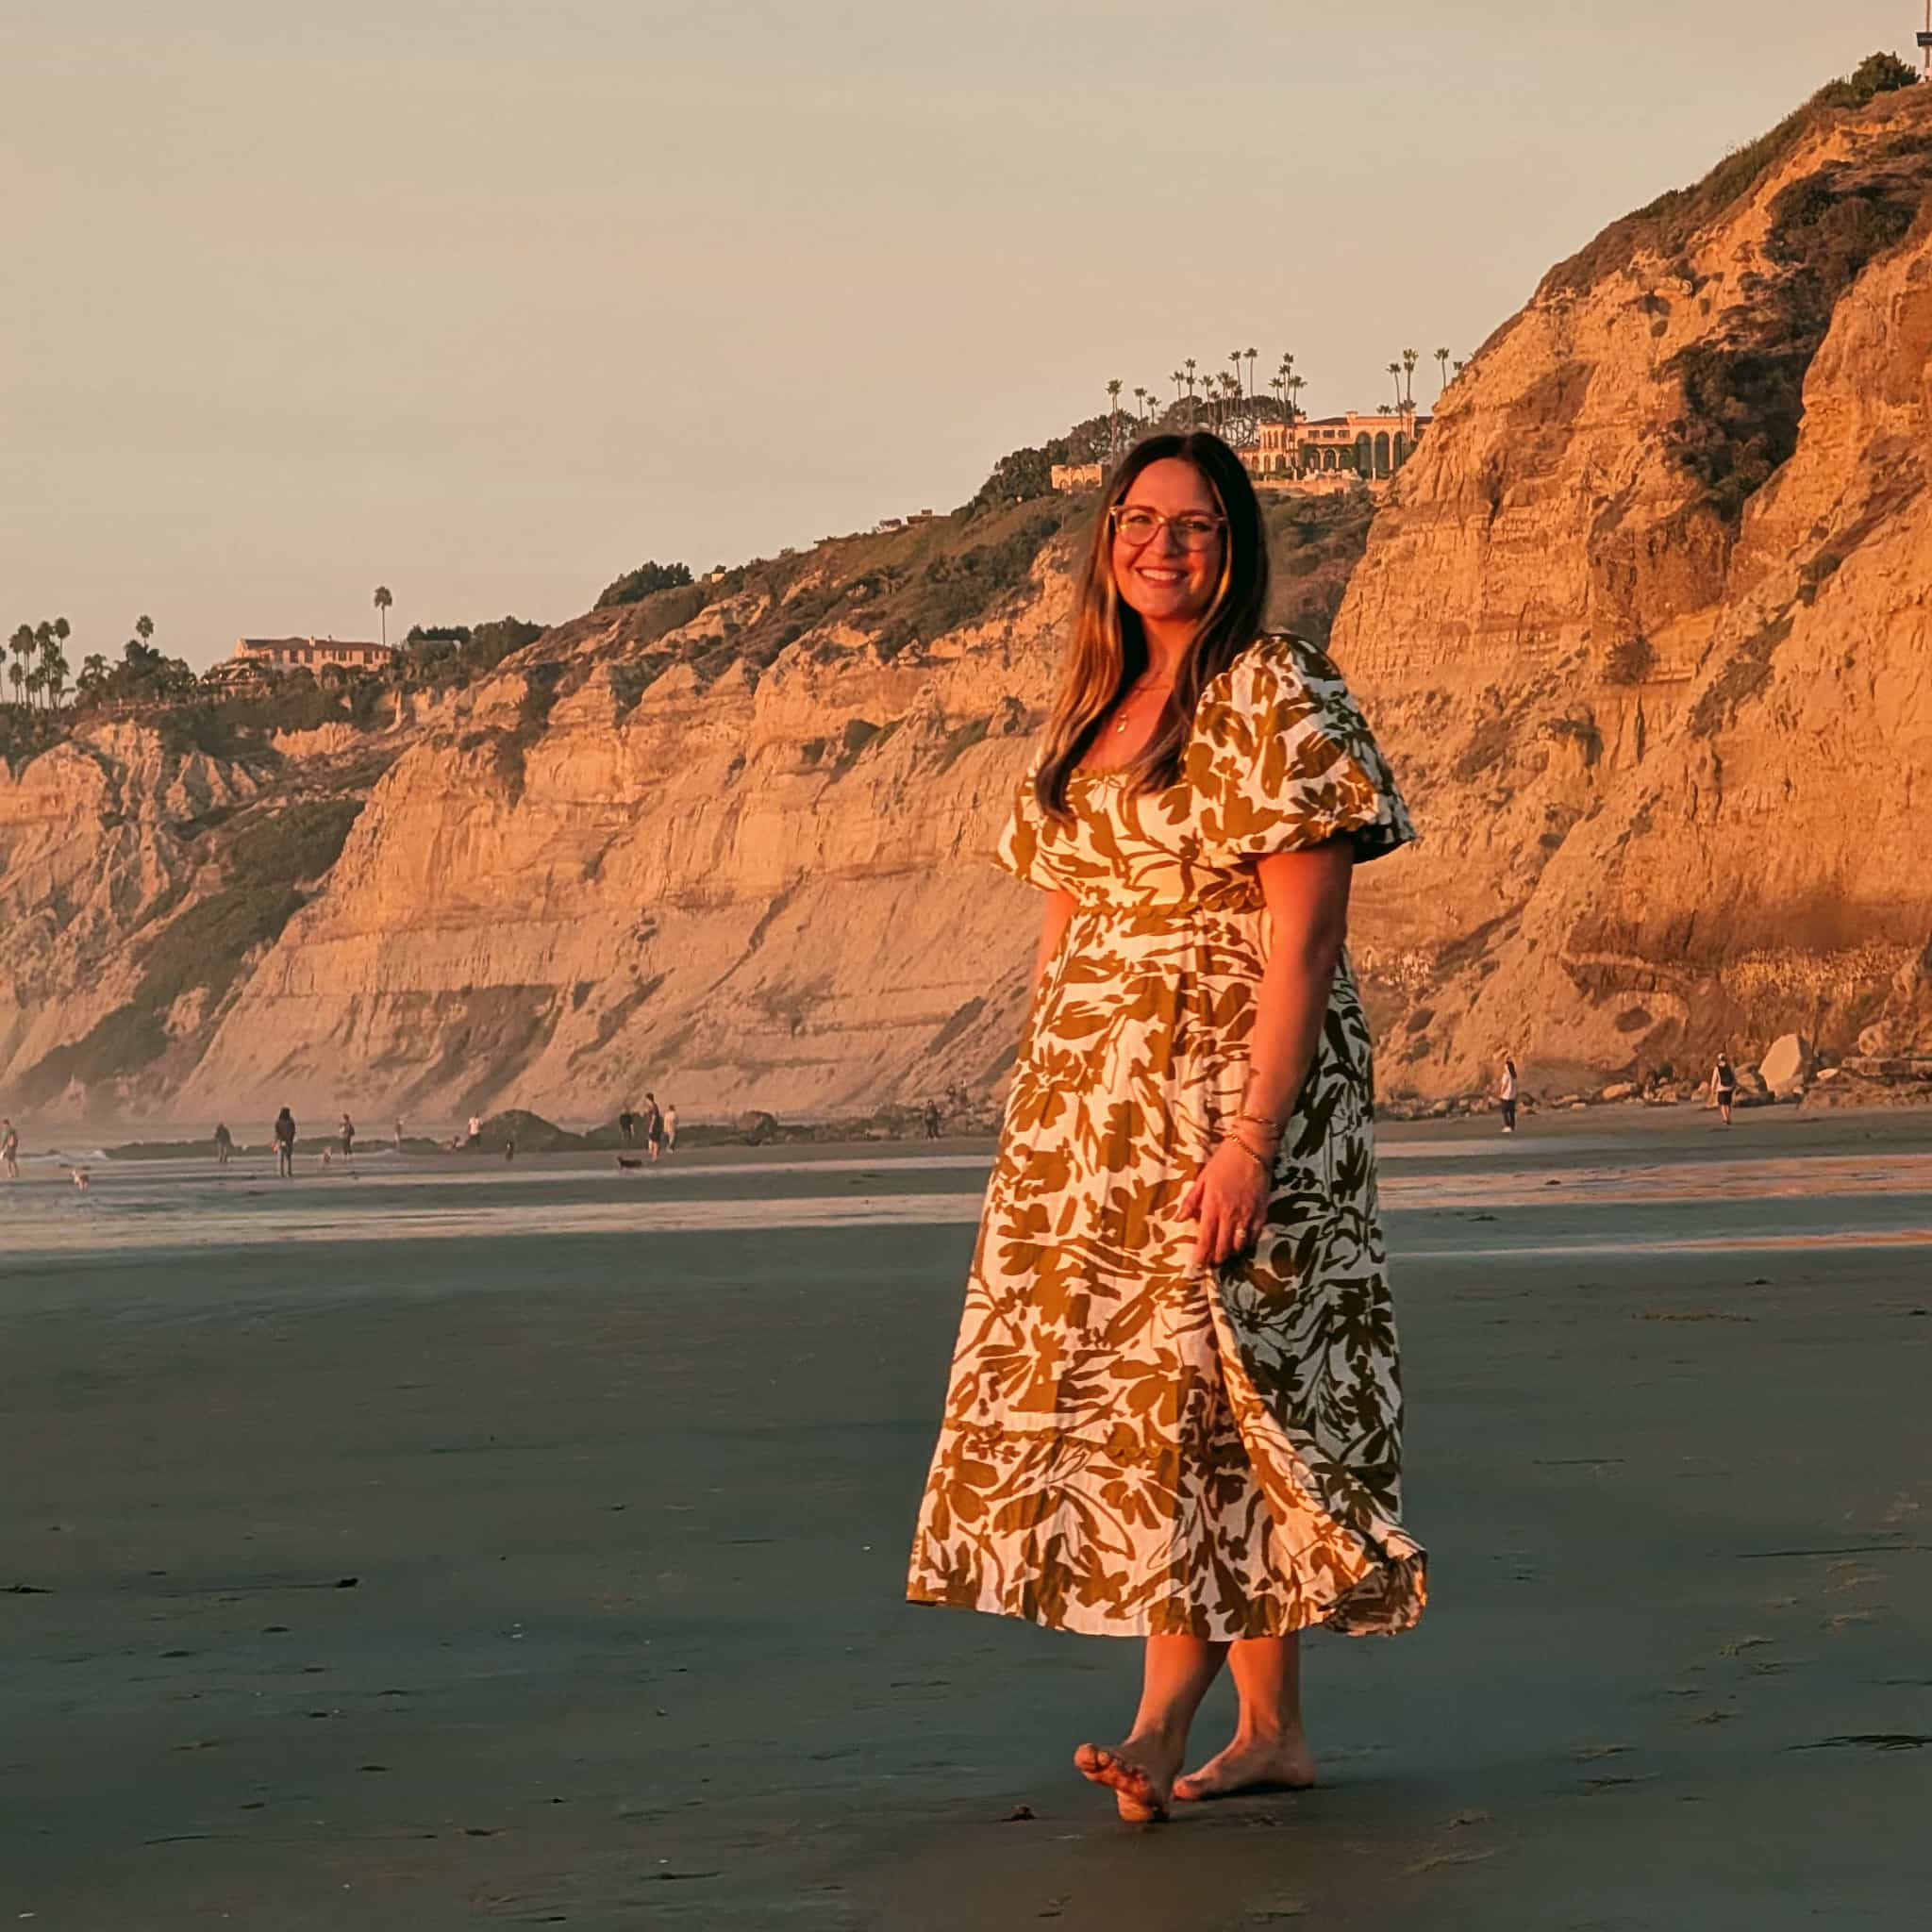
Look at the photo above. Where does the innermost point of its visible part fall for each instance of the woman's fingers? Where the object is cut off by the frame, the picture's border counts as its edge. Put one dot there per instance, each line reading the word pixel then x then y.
pixel 1216 1242
pixel 1190 1201
pixel 1207 1240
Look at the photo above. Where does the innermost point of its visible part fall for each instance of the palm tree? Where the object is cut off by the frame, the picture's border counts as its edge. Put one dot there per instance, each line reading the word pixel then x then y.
pixel 34 680
pixel 1193 415
pixel 1460 365
pixel 382 601
pixel 23 647
pixel 1409 359
pixel 1113 419
pixel 1179 377
pixel 1141 397
pixel 1295 386
pixel 93 670
pixel 1278 383
pixel 144 628
pixel 1251 354
pixel 16 677
pixel 1443 370
pixel 1395 370
pixel 1234 355
pixel 45 645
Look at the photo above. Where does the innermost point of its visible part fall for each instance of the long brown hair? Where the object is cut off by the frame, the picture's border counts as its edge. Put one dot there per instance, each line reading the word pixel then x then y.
pixel 1109 648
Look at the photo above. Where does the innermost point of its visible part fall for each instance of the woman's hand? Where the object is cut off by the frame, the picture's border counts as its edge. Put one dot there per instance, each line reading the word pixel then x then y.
pixel 1229 1198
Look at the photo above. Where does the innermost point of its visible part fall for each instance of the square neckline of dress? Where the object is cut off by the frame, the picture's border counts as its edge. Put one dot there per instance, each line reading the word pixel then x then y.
pixel 1226 672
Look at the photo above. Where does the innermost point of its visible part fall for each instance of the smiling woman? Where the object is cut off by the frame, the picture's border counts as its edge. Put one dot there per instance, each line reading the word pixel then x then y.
pixel 1175 1408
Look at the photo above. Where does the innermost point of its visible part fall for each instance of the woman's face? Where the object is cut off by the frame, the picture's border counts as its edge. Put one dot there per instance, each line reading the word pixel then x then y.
pixel 1166 580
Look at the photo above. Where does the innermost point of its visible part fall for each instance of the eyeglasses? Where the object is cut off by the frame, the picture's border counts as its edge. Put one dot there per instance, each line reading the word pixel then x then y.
pixel 1136 526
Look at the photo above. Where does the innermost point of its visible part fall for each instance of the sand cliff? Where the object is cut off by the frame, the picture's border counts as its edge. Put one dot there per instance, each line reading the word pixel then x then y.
pixel 1645 626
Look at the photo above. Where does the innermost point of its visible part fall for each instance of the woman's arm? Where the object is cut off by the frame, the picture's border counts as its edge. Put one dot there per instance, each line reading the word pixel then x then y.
pixel 1059 908
pixel 1308 902
pixel 1307 893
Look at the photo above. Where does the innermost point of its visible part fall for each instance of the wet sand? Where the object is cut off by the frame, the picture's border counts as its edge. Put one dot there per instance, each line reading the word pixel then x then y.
pixel 496 1564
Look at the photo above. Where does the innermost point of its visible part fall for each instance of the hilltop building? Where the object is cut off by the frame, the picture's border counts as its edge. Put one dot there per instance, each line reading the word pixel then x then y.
pixel 256 658
pixel 1365 446
pixel 1327 452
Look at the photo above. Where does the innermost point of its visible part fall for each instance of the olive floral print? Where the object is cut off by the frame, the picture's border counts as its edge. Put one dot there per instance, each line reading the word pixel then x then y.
pixel 1132 1446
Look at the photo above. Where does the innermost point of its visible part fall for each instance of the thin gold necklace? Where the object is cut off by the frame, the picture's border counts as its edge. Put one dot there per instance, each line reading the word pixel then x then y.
pixel 1126 703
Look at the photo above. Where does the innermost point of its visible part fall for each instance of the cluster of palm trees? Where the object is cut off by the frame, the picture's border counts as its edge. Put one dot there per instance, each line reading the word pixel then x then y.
pixel 1222 395
pixel 40 667
pixel 1404 373
pixel 1228 399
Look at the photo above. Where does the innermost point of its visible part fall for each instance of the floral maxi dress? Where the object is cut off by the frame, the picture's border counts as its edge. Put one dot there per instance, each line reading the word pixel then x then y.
pixel 1131 1447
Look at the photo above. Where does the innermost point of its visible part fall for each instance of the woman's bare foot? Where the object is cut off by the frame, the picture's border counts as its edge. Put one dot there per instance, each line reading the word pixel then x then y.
pixel 1139 1773
pixel 1252 1764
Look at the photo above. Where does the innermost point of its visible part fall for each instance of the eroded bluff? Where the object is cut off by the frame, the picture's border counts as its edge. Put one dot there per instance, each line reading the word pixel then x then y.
pixel 1648 628
pixel 1644 627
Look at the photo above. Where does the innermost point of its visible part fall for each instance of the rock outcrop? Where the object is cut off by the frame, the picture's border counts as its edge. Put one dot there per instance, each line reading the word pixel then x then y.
pixel 1650 627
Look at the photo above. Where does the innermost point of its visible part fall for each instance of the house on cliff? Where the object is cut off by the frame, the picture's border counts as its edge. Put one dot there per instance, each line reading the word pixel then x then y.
pixel 257 659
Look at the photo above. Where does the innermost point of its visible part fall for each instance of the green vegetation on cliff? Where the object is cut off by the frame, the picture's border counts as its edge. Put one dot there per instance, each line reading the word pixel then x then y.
pixel 1664 227
pixel 262 862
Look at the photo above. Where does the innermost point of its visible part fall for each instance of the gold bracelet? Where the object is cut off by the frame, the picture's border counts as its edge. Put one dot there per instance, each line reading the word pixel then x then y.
pixel 1266 1122
pixel 1260 1160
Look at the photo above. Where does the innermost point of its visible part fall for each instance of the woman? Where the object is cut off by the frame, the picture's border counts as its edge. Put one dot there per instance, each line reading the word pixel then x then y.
pixel 1176 1409
pixel 1505 1093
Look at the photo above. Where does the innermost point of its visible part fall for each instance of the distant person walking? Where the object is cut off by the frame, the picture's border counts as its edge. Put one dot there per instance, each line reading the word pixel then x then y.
pixel 932 1119
pixel 1175 1409
pixel 346 1135
pixel 476 1129
pixel 1505 1095
pixel 399 1137
pixel 671 1130
pixel 654 1126
pixel 1723 1087
pixel 627 1127
pixel 10 1149
pixel 225 1143
pixel 283 1134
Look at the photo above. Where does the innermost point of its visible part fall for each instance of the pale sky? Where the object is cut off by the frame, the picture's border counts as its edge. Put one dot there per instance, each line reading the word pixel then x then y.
pixel 489 303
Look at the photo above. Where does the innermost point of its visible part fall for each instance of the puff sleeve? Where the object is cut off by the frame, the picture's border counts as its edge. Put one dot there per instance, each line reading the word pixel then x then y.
pixel 1281 757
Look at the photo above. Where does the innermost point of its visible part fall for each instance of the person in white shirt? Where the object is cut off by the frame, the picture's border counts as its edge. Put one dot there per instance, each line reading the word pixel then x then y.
pixel 1507 1095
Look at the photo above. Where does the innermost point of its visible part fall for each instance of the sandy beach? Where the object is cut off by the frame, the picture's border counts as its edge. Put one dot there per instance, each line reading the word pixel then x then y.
pixel 463 1545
